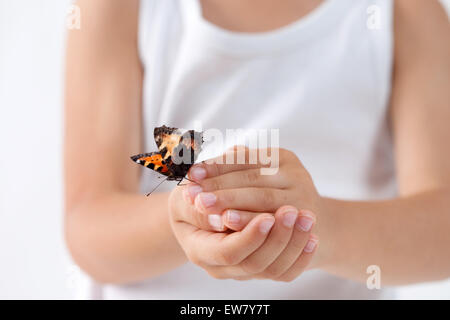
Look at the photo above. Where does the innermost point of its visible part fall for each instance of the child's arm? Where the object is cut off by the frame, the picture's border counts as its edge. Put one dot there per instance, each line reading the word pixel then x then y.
pixel 113 233
pixel 408 237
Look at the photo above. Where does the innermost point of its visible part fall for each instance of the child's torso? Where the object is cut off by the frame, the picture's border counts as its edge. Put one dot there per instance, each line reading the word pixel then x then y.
pixel 323 81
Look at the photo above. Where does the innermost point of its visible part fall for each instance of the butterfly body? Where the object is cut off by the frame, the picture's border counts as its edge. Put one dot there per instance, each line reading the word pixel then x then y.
pixel 177 152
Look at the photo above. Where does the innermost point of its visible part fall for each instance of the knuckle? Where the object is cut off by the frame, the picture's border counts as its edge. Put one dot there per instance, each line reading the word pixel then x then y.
pixel 280 241
pixel 273 272
pixel 285 197
pixel 298 246
pixel 214 168
pixel 299 240
pixel 216 275
pixel 213 184
pixel 226 258
pixel 250 176
pixel 228 196
pixel 252 267
pixel 200 219
pixel 268 197
pixel 193 258
pixel 217 184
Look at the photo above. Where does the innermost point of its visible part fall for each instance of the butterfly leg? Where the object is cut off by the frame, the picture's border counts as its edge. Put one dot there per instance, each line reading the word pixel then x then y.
pixel 190 180
pixel 184 178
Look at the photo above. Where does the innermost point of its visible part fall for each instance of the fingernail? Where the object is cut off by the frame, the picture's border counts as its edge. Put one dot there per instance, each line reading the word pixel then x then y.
pixel 233 217
pixel 197 173
pixel 266 225
pixel 310 246
pixel 215 221
pixel 306 221
pixel 289 218
pixel 207 199
pixel 194 190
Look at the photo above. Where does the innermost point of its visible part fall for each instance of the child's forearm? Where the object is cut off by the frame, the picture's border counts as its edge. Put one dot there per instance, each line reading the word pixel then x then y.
pixel 123 237
pixel 408 238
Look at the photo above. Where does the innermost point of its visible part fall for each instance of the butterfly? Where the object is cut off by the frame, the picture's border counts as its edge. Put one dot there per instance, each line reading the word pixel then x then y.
pixel 177 152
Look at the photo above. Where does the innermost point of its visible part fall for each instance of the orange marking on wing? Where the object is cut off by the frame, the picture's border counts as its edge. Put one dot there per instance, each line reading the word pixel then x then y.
pixel 155 159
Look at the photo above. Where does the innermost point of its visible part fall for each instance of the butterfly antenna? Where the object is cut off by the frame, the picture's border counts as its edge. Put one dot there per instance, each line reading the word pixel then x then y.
pixel 190 180
pixel 156 187
pixel 184 178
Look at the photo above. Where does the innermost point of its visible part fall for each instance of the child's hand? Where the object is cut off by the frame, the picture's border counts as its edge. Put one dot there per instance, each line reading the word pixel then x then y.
pixel 268 247
pixel 230 195
pixel 272 246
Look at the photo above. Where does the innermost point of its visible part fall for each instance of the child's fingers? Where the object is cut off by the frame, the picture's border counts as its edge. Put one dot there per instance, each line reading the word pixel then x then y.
pixel 248 199
pixel 202 171
pixel 244 178
pixel 229 249
pixel 299 239
pixel 302 261
pixel 236 219
pixel 262 257
pixel 201 220
pixel 216 220
pixel 276 242
pixel 235 159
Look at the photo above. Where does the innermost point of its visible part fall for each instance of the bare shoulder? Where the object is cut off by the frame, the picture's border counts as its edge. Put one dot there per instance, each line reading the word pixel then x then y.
pixel 109 9
pixel 420 94
pixel 103 83
pixel 422 29
pixel 108 34
pixel 422 45
pixel 429 12
pixel 108 20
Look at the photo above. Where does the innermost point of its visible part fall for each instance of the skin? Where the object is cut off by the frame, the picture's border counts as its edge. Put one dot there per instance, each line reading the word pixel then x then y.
pixel 113 243
pixel 281 254
pixel 406 236
pixel 241 16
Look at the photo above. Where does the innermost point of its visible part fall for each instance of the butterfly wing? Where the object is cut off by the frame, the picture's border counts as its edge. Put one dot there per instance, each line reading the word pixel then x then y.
pixel 192 140
pixel 153 160
pixel 170 140
pixel 172 144
pixel 167 139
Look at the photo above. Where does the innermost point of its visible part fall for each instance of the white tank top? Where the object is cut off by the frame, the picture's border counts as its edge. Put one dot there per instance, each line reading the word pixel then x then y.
pixel 323 81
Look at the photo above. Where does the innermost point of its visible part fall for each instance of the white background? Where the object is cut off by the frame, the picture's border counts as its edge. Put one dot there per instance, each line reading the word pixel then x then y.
pixel 33 260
